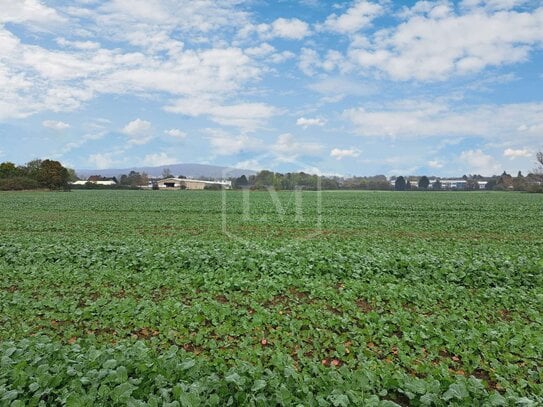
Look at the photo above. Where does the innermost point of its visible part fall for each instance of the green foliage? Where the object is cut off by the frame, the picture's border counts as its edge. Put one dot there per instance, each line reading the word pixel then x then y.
pixel 18 184
pixel 401 184
pixel 8 170
pixel 134 179
pixel 139 298
pixel 424 182
pixel 52 175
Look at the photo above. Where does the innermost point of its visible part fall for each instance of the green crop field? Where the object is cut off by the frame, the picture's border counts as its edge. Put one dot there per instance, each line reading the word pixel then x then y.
pixel 193 298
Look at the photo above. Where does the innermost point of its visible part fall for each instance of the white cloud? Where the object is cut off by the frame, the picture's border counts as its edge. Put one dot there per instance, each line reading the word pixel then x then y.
pixel 435 43
pixel 517 153
pixel 138 131
pixel 435 164
pixel 81 45
pixel 36 78
pixel 306 122
pixel 226 144
pixel 32 11
pixel 412 118
pixel 492 4
pixel 357 17
pixel 339 154
pixel 252 164
pixel 102 161
pixel 55 125
pixel 176 133
pixel 155 160
pixel 247 116
pixel 480 163
pixel 293 29
pixel 288 149
pixel 343 86
pixel 310 61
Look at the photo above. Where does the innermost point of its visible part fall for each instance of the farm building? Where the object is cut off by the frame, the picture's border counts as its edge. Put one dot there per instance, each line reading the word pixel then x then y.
pixel 186 183
pixel 105 182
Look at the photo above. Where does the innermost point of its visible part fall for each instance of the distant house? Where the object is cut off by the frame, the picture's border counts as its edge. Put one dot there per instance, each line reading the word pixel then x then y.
pixel 186 183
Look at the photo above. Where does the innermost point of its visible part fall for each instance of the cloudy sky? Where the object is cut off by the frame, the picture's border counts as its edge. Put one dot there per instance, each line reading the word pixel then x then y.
pixel 346 87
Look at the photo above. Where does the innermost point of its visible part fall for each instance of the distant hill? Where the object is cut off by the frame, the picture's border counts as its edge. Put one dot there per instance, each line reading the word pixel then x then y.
pixel 188 170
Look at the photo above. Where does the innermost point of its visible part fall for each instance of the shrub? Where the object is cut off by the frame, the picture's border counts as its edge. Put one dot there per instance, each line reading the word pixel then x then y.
pixel 18 184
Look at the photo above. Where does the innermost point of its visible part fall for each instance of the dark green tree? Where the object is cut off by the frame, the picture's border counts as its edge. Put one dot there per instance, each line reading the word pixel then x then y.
pixel 424 182
pixel 400 184
pixel 8 170
pixel 437 185
pixel 241 182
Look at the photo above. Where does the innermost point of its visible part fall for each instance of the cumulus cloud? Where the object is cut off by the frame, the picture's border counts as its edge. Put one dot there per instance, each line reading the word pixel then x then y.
pixel 435 164
pixel 138 131
pixel 310 62
pixel 102 161
pixel 291 29
pixel 157 159
pixel 307 122
pixel 435 42
pixel 29 11
pixel 176 133
pixel 247 116
pixel 415 118
pixel 517 153
pixel 357 17
pixel 35 78
pixel 479 162
pixel 224 143
pixel 55 125
pixel 339 154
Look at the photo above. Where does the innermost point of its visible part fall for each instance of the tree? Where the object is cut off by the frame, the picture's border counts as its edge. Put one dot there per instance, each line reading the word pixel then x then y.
pixel 32 168
pixel 241 182
pixel 437 185
pixel 8 170
pixel 424 182
pixel 134 179
pixel 72 176
pixel 505 182
pixel 539 169
pixel 400 184
pixel 53 175
pixel 166 173
pixel 472 185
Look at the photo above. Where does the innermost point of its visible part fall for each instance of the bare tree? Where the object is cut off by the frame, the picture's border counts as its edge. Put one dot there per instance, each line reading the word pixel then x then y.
pixel 539 157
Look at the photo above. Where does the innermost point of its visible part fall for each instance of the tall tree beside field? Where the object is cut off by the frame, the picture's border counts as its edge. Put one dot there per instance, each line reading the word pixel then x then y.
pixel 400 184
pixel 53 175
pixel 539 158
pixel 437 185
pixel 424 182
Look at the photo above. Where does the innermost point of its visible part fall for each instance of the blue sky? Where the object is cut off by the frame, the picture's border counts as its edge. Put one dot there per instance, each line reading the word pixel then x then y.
pixel 348 87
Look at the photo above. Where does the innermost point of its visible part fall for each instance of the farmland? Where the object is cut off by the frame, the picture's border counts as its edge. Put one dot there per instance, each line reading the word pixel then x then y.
pixel 195 298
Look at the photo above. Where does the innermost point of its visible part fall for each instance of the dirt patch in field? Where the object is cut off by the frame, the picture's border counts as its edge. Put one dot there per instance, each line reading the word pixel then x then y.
pixel 364 305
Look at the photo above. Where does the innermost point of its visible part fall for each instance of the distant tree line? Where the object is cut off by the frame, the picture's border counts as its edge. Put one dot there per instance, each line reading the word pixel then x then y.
pixel 35 174
pixel 533 182
pixel 301 180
